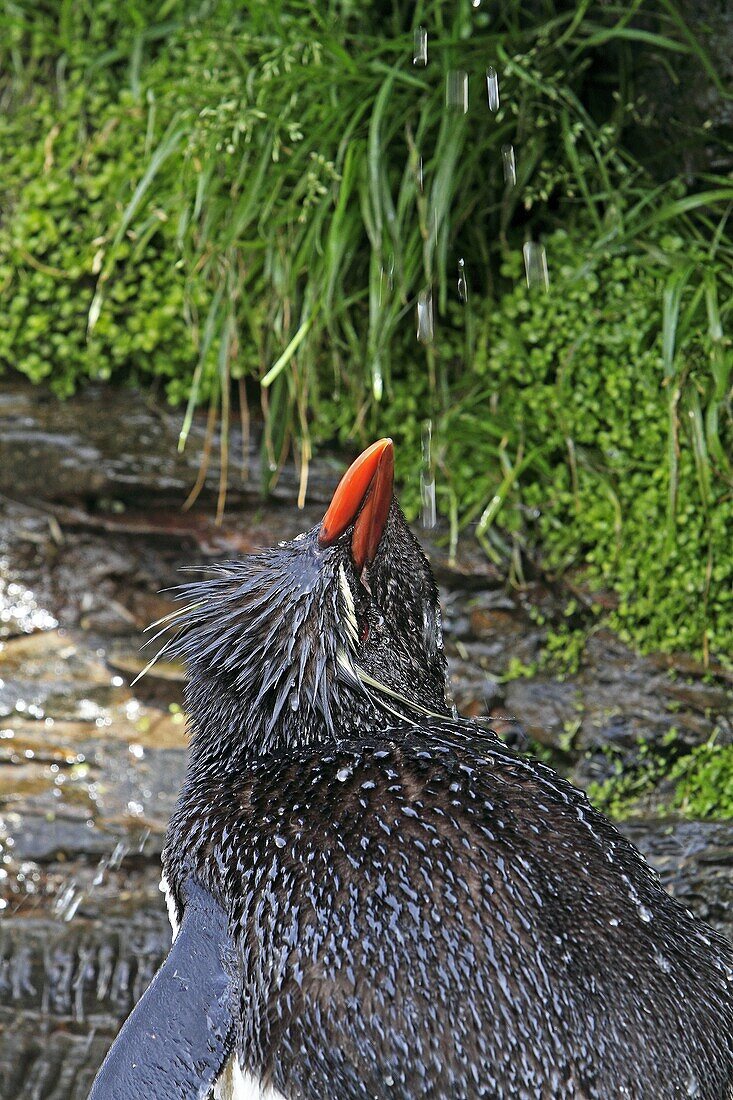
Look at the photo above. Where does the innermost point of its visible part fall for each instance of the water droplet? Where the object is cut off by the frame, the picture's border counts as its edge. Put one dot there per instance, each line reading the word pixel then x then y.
pixel 427 477
pixel 425 322
pixel 613 922
pixel 535 266
pixel 343 774
pixel 377 380
pixel 645 914
pixel 662 962
pixel 456 91
pixel 280 841
pixel 462 284
pixel 293 700
pixel 509 164
pixel 475 3
pixel 386 275
pixel 492 88
pixel 420 49
pixel 723 966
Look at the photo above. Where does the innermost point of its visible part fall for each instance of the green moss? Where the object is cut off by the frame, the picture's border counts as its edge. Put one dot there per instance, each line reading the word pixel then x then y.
pixel 704 782
pixel 563 650
pixel 54 248
pixel 623 795
pixel 697 784
pixel 572 396
pixel 632 789
pixel 184 189
pixel 518 670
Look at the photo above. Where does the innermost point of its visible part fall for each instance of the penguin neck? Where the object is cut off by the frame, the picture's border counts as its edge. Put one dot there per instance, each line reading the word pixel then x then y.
pixel 231 730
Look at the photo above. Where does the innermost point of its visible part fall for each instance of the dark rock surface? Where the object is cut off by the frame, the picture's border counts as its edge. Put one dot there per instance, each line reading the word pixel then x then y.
pixel 110 443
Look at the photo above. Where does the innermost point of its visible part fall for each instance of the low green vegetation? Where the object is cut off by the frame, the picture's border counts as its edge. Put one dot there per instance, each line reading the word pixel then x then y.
pixel 223 201
pixel 597 451
pixel 704 781
pixel 633 788
pixel 697 783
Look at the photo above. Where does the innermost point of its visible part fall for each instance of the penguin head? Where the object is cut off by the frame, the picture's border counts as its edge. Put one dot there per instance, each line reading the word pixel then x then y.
pixel 328 635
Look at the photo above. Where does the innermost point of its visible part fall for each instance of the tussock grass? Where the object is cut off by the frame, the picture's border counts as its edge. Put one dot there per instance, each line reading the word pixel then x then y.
pixel 232 193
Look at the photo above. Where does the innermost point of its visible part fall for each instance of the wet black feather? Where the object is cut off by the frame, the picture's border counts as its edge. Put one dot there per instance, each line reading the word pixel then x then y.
pixel 418 911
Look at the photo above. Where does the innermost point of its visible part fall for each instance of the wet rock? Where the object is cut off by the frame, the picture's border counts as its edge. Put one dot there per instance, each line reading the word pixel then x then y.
pixel 131 663
pixel 695 862
pixel 475 694
pixel 20 610
pixel 467 570
pixel 75 956
pixel 51 838
pixel 548 709
pixel 485 623
pixel 627 701
pixel 492 630
pixel 44 656
pixel 75 450
pixel 93 953
pixel 46 1058
pixel 708 699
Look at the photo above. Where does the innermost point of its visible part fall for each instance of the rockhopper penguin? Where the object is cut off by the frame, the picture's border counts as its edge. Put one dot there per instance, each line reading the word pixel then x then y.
pixel 377 900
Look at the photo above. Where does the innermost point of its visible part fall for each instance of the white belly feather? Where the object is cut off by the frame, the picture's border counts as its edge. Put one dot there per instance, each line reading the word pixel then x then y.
pixel 235 1085
pixel 170 905
pixel 232 1084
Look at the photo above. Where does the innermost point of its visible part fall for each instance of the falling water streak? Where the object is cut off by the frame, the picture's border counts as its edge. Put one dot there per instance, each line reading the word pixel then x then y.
pixel 427 477
pixel 456 91
pixel 68 900
pixel 377 380
pixel 420 50
pixel 535 266
pixel 510 165
pixel 462 284
pixel 386 275
pixel 492 89
pixel 425 323
pixel 420 174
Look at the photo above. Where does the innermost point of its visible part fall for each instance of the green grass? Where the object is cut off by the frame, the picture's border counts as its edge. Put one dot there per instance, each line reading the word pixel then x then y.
pixel 199 195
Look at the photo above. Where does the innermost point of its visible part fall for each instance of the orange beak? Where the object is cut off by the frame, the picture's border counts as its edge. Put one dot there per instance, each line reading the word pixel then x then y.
pixel 363 495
